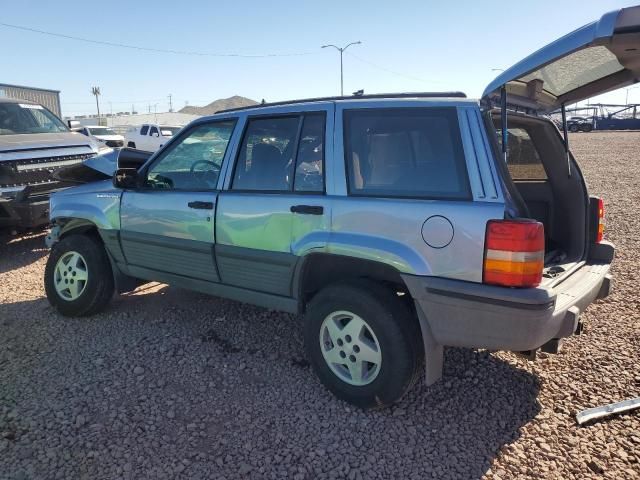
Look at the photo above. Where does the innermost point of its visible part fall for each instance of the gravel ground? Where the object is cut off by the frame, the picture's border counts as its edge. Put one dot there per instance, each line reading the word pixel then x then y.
pixel 174 384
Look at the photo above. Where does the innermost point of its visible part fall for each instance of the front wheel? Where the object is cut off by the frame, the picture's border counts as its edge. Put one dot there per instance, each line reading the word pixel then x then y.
pixel 363 343
pixel 78 279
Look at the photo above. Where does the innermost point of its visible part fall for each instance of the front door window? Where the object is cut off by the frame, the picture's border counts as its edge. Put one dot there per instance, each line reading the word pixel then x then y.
pixel 194 162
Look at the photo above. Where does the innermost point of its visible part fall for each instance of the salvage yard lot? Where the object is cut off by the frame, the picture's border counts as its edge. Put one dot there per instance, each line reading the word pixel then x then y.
pixel 173 384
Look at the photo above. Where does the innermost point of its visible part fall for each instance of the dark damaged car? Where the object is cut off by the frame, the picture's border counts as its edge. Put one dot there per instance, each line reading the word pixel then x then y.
pixel 34 145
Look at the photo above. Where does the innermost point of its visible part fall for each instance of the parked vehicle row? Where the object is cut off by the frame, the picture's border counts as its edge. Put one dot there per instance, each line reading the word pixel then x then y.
pixel 35 145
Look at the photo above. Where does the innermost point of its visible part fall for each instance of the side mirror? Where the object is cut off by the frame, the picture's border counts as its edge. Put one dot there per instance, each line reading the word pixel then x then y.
pixel 126 178
pixel 156 134
pixel 74 125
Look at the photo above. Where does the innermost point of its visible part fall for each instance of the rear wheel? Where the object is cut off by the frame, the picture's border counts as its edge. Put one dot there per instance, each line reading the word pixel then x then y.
pixel 364 343
pixel 78 279
pixel 574 127
pixel 587 127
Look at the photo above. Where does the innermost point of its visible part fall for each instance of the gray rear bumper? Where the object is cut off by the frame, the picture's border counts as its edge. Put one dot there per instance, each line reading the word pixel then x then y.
pixel 466 314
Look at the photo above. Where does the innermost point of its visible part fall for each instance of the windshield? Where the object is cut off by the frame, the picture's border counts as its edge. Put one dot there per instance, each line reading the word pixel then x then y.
pixel 101 131
pixel 169 131
pixel 18 118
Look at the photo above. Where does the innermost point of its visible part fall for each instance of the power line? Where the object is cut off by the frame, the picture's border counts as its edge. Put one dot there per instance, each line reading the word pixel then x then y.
pixel 388 70
pixel 155 50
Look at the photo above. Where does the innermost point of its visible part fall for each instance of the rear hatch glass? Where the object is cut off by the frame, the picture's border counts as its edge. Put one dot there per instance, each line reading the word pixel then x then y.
pixel 599 57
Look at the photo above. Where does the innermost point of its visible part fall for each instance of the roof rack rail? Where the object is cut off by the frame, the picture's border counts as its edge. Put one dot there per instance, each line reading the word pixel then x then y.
pixel 353 97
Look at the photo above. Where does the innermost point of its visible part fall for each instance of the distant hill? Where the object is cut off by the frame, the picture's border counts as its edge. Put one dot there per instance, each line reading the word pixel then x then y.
pixel 221 104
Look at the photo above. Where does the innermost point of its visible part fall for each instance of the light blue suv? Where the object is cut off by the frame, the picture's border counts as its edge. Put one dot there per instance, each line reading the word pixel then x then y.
pixel 397 224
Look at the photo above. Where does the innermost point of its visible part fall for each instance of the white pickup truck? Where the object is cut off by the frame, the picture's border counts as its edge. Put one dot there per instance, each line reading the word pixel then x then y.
pixel 149 136
pixel 103 135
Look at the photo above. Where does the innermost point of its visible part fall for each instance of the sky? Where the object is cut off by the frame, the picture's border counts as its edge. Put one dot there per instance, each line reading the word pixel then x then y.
pixel 407 46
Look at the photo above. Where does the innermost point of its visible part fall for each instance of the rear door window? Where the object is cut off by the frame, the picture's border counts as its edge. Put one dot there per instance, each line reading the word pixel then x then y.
pixel 265 161
pixel 405 152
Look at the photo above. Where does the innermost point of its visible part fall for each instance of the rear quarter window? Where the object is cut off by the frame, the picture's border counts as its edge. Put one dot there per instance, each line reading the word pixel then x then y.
pixel 405 152
pixel 523 160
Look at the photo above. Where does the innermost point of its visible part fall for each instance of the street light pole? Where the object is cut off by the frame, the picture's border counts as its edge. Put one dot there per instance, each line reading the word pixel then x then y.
pixel 341 50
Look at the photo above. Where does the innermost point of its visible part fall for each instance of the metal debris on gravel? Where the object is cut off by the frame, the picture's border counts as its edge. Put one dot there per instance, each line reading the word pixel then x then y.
pixel 604 411
pixel 169 384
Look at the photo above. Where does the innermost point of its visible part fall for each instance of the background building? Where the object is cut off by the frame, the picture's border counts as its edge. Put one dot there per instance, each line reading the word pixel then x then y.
pixel 45 97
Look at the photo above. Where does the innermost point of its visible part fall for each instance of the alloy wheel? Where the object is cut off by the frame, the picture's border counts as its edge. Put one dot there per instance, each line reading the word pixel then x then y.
pixel 350 348
pixel 70 276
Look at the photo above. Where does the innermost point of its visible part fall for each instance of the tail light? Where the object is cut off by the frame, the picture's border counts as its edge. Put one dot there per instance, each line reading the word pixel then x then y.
pixel 600 233
pixel 514 253
pixel 596 219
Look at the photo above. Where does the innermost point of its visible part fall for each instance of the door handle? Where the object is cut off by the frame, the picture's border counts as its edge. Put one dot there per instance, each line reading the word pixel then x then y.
pixel 201 205
pixel 308 209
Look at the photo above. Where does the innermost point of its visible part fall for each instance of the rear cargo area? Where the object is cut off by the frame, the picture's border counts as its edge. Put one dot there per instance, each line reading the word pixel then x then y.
pixel 546 187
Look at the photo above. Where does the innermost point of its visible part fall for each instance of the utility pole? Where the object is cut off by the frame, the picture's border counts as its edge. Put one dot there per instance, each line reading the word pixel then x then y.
pixel 170 104
pixel 341 50
pixel 96 91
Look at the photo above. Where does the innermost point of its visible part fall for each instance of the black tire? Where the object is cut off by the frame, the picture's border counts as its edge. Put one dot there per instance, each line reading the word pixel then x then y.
pixel 99 287
pixel 393 323
pixel 131 144
pixel 574 127
pixel 587 127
